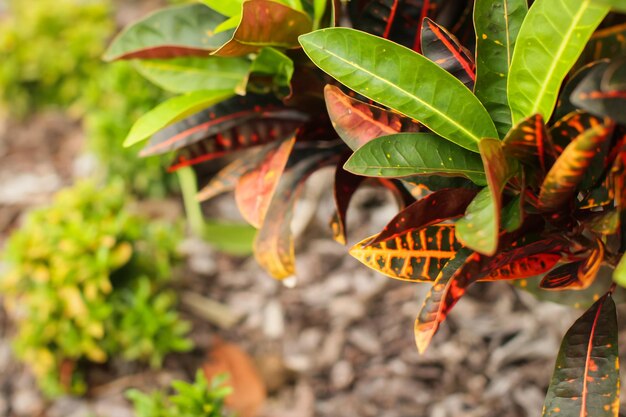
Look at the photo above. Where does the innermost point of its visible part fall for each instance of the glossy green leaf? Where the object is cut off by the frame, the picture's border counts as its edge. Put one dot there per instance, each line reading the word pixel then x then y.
pixel 407 154
pixel 171 111
pixel 175 31
pixel 319 8
pixel 497 24
pixel 188 74
pixel 586 376
pixel 266 23
pixel 513 214
pixel 479 228
pixel 549 43
pixel 402 80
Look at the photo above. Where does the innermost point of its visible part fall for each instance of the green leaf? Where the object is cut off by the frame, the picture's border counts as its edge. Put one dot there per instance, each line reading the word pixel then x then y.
pixel 266 23
pixel 319 7
pixel 403 80
pixel 549 43
pixel 171 111
pixel 497 24
pixel 479 229
pixel 513 214
pixel 171 32
pixel 614 4
pixel 619 274
pixel 228 8
pixel 274 63
pixel 406 154
pixel 188 74
pixel 586 376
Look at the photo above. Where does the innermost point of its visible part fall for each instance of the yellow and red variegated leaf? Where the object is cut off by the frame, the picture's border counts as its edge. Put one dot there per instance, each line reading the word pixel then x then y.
pixel 357 122
pixel 226 179
pixel 273 245
pixel 586 375
pixel 266 23
pixel 570 126
pixel 561 182
pixel 344 188
pixel 417 255
pixel 576 275
pixel 527 267
pixel 465 269
pixel 256 187
pixel 434 208
pixel 234 124
pixel 444 49
pixel 530 143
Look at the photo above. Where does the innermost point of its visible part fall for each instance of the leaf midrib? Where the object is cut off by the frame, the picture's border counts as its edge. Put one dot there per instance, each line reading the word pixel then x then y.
pixel 413 169
pixel 394 86
pixel 557 57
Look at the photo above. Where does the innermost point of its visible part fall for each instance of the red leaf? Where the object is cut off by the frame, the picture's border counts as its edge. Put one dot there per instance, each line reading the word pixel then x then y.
pixel 357 122
pixel 256 187
pixel 575 275
pixel 345 186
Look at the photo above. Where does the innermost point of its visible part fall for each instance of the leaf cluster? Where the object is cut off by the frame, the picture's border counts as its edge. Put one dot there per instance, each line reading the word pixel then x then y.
pixel 197 399
pixel 86 281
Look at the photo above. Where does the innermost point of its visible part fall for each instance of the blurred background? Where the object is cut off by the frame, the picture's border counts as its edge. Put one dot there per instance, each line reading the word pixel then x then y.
pixel 105 299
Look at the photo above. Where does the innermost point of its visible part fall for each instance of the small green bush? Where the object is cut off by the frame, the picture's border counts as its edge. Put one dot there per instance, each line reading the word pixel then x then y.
pixel 116 97
pixel 197 399
pixel 86 281
pixel 49 49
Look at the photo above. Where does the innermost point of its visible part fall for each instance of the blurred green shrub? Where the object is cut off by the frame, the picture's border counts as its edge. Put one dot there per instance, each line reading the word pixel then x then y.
pixel 49 50
pixel 87 281
pixel 116 97
pixel 197 399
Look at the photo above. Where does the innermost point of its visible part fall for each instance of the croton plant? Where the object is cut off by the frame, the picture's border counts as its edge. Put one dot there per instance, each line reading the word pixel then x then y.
pixel 503 137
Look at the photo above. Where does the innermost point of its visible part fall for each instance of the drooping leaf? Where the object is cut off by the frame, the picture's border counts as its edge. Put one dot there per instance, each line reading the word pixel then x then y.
pixel 575 275
pixel 530 143
pixel 480 226
pixel 444 49
pixel 604 43
pixel 357 122
pixel 344 188
pixel 433 311
pixel 172 32
pixel 256 187
pixel 247 121
pixel 188 74
pixel 226 179
pixel 171 111
pixel 273 246
pixel 266 23
pixel 586 375
pixel 601 100
pixel 548 44
pixel 416 255
pixel 401 80
pixel 568 171
pixel 435 208
pixel 497 25
pixel 407 154
pixel 467 268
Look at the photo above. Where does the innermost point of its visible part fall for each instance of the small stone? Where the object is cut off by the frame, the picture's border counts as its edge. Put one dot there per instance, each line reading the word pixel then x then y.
pixel 342 375
pixel 274 320
pixel 365 340
pixel 26 402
